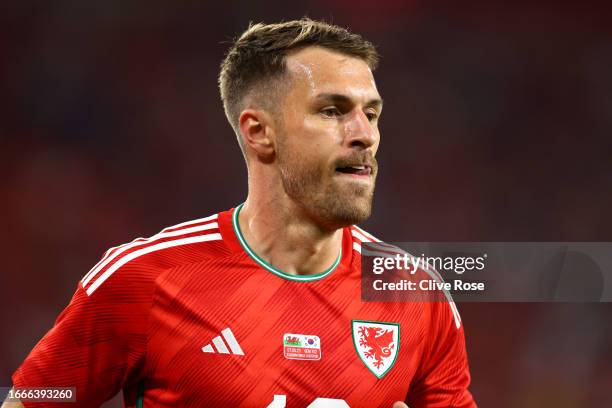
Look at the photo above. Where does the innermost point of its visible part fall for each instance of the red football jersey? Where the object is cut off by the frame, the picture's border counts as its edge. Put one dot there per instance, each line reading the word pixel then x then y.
pixel 191 317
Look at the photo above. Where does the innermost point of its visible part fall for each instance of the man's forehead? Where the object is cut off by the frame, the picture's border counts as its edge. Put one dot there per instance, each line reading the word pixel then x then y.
pixel 318 70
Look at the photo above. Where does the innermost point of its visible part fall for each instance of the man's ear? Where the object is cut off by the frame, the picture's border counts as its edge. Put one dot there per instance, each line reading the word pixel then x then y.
pixel 257 132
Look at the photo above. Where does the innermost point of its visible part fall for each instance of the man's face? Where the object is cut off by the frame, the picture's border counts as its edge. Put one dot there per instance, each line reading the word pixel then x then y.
pixel 329 136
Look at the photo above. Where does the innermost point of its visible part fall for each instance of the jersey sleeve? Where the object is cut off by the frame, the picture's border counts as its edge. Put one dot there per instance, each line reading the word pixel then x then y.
pixel 443 377
pixel 96 345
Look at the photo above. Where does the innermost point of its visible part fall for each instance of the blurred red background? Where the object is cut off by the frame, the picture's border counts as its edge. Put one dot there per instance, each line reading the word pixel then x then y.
pixel 497 127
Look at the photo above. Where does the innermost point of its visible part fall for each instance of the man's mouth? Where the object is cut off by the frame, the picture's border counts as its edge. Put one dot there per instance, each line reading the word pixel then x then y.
pixel 357 170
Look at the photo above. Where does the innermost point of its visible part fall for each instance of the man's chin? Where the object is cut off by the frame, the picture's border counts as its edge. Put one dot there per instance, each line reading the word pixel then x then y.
pixel 353 219
pixel 354 206
pixel 345 215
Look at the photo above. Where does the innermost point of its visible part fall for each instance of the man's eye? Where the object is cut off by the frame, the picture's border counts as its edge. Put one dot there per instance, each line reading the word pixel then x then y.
pixel 331 112
pixel 371 116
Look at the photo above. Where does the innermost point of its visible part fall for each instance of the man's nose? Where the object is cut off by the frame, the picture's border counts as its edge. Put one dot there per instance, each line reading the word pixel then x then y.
pixel 359 130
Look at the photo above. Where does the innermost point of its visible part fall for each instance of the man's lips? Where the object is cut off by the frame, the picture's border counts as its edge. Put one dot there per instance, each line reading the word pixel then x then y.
pixel 355 169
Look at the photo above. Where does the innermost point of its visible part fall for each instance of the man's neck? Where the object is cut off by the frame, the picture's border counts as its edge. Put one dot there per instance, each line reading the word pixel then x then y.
pixel 285 237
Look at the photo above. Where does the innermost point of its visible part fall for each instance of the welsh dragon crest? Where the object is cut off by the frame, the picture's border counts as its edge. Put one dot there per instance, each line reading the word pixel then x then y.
pixel 377 343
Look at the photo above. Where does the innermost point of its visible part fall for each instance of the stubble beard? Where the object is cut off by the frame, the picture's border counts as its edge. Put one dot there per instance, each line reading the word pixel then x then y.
pixel 319 193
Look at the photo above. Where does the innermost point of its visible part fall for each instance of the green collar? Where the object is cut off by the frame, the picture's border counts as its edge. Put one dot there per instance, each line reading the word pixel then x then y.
pixel 276 271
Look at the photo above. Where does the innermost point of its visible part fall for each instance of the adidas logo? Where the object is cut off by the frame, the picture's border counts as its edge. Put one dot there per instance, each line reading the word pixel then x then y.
pixel 228 336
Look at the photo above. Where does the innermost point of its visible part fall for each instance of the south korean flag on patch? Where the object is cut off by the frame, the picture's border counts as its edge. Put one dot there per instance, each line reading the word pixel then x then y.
pixel 377 344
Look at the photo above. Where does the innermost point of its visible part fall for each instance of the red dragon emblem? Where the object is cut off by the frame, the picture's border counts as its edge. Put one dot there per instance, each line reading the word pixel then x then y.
pixel 377 343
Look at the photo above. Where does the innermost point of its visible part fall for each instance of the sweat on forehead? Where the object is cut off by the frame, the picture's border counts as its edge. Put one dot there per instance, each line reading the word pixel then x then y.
pixel 318 70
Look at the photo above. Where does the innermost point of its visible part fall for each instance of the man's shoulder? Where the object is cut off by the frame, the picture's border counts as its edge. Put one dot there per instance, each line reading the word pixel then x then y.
pixel 369 245
pixel 375 247
pixel 140 261
pixel 361 236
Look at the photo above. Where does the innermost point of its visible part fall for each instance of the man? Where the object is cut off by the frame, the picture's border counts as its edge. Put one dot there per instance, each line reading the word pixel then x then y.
pixel 259 306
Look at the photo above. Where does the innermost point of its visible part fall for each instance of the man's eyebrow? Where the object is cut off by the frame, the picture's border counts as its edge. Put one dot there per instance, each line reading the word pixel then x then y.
pixel 343 99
